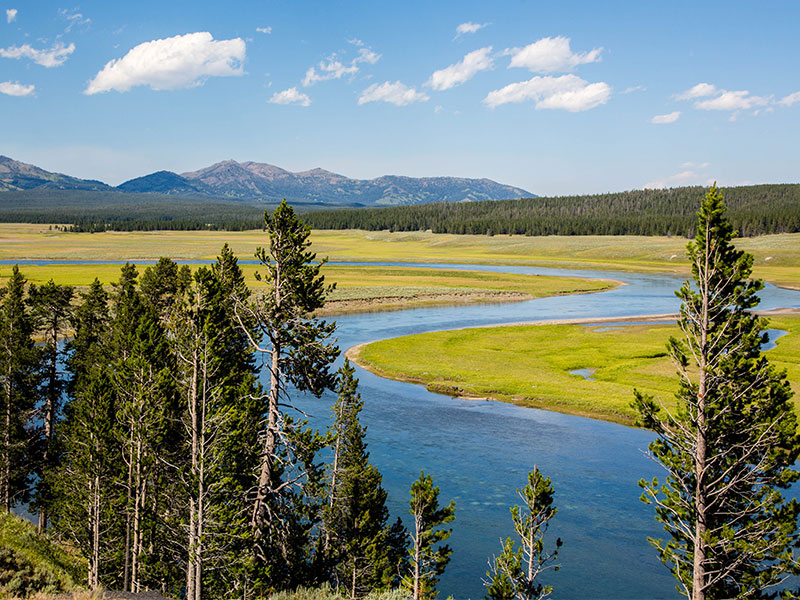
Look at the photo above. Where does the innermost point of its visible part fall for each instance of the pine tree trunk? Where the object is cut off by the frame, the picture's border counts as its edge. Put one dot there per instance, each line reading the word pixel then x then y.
pixel 192 541
pixel 699 575
pixel 334 473
pixel 265 477
pixel 94 562
pixel 126 578
pixel 137 520
pixel 49 416
pixel 417 555
pixel 6 489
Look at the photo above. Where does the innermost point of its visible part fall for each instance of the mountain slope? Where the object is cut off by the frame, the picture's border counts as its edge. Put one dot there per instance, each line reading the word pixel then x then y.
pixel 165 182
pixel 251 180
pixel 15 175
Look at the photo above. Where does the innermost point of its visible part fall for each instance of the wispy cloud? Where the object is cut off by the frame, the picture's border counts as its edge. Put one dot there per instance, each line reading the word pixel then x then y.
pixel 551 55
pixel 668 118
pixel 333 68
pixel 267 29
pixel 464 70
pixel 74 19
pixel 468 27
pixel 173 63
pixel 701 90
pixel 732 101
pixel 355 42
pixel 396 93
pixel 568 92
pixel 11 15
pixel 290 96
pixel 54 57
pixel 635 88
pixel 690 175
pixel 790 99
pixel 12 88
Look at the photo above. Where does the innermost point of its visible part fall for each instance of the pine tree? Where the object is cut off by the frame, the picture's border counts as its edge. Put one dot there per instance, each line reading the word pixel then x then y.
pixel 299 352
pixel 51 310
pixel 729 448
pixel 364 547
pixel 513 574
pixel 427 562
pixel 19 379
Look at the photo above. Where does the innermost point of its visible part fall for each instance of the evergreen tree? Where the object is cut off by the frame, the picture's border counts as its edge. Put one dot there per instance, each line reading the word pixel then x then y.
pixel 84 490
pixel 19 379
pixel 730 447
pixel 427 562
pixel 299 351
pixel 364 546
pixel 512 575
pixel 51 310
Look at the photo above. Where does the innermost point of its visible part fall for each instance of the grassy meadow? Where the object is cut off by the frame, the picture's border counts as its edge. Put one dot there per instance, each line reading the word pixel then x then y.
pixel 529 365
pixel 777 257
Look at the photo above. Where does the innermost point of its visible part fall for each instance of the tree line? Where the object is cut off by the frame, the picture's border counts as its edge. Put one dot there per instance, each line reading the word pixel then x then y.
pixel 754 210
pixel 161 456
pixel 140 432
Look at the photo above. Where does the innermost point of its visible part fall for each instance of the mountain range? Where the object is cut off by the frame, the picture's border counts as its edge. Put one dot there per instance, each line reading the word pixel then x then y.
pixel 252 181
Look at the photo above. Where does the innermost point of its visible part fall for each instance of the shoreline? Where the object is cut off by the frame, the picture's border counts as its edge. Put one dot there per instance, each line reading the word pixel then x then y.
pixel 353 355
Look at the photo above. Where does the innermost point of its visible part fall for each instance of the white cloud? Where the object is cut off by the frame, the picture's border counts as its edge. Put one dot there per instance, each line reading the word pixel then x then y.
pixel 466 69
pixel 567 92
pixel 790 99
pixel 635 88
pixel 689 176
pixel 551 55
pixel 11 14
pixel 290 96
pixel 468 27
pixel 11 88
pixel 739 100
pixel 54 57
pixel 73 19
pixel 701 90
pixel 178 62
pixel 355 42
pixel 331 68
pixel 395 93
pixel 267 29
pixel 668 118
pixel 437 109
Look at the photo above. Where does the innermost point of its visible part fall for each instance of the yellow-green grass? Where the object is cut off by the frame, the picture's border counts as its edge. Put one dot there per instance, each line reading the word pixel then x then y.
pixel 361 287
pixel 530 365
pixel 777 257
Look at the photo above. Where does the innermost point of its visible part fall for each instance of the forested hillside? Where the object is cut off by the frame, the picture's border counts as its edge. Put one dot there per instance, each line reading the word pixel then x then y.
pixel 753 210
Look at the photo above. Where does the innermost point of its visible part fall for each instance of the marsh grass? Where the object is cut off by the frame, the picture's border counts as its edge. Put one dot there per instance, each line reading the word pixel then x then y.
pixel 530 365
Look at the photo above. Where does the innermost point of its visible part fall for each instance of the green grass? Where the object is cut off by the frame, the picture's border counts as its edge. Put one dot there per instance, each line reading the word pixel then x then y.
pixel 530 365
pixel 777 257
pixel 31 563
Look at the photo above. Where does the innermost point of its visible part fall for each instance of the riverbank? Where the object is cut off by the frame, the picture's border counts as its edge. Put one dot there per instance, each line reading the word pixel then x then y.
pixel 584 367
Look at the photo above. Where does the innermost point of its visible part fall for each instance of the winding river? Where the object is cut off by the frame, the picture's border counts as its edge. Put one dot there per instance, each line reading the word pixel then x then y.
pixel 480 452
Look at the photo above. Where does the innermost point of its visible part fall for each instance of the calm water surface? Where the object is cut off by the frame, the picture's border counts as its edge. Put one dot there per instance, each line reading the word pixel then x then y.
pixel 480 452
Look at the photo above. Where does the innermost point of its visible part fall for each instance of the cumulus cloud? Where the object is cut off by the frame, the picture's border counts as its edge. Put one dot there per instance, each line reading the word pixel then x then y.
pixel 12 88
pixel 332 68
pixel 395 93
pixel 551 55
pixel 668 118
pixel 468 27
pixel 178 62
pixel 464 70
pixel 290 96
pixel 266 30
pixel 732 101
pixel 11 14
pixel 701 90
pixel 54 57
pixel 567 92
pixel 790 99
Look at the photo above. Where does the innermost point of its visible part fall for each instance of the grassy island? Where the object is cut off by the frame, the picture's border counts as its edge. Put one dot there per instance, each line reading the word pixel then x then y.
pixel 587 370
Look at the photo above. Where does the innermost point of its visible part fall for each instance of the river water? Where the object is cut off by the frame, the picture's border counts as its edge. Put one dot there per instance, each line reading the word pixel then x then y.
pixel 480 452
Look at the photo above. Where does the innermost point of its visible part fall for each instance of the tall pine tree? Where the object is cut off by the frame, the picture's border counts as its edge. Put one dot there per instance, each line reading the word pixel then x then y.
pixel 730 447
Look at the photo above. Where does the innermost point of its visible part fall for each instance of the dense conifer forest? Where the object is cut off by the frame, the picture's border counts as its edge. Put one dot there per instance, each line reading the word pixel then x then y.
pixel 753 210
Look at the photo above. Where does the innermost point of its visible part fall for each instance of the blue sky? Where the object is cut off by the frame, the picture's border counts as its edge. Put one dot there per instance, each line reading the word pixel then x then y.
pixel 553 97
